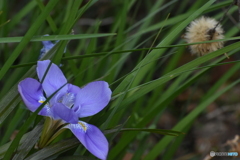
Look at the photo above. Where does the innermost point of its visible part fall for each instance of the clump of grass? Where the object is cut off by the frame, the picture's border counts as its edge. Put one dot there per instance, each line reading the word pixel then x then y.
pixel 111 46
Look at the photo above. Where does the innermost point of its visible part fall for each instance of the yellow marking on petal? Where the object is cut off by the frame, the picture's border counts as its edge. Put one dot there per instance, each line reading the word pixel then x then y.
pixel 41 101
pixel 83 126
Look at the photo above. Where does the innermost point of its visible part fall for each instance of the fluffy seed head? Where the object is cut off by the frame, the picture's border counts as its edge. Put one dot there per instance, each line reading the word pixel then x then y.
pixel 204 29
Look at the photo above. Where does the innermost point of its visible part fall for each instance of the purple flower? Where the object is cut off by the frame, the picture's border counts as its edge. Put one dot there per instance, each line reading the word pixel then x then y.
pixel 68 104
pixel 47 46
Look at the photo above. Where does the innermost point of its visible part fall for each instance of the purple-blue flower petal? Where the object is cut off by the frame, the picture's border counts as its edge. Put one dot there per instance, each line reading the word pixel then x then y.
pixel 91 138
pixel 92 98
pixel 47 45
pixel 60 111
pixel 54 78
pixel 73 89
pixel 46 111
pixel 32 94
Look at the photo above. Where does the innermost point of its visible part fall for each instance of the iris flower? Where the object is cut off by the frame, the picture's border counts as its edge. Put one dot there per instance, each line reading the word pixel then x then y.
pixel 69 104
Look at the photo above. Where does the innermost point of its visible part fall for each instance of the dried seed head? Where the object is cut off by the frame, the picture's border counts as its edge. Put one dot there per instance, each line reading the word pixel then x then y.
pixel 204 29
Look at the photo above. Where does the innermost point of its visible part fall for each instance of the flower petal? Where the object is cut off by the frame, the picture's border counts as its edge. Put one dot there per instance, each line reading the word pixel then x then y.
pixel 54 78
pixel 46 111
pixel 60 111
pixel 93 98
pixel 91 137
pixel 32 94
pixel 47 45
pixel 73 89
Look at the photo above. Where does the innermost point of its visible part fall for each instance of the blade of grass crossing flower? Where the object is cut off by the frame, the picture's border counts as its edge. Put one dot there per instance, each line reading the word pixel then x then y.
pixel 27 37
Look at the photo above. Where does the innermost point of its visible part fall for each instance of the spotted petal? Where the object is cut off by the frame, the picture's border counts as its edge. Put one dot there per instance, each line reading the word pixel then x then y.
pixel 92 98
pixel 54 78
pixel 91 138
pixel 32 94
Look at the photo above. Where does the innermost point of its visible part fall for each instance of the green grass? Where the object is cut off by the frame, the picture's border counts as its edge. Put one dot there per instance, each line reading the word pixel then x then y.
pixel 140 54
